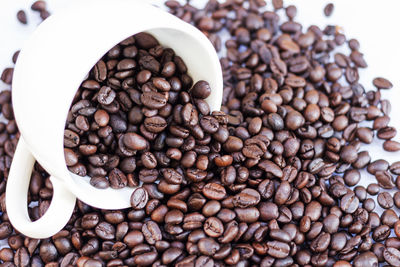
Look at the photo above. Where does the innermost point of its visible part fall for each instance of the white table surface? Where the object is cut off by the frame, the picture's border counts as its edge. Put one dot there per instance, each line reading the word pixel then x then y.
pixel 374 25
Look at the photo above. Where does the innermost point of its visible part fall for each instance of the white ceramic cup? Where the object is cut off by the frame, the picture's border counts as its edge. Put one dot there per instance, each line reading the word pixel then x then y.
pixel 50 68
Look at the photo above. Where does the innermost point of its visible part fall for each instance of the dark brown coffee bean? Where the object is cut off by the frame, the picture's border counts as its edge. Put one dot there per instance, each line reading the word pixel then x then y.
pixel 246 198
pixel 39 5
pixel 100 74
pixel 201 89
pixel 213 227
pixel 99 182
pixel 214 191
pixel 71 139
pixel 172 176
pixel 105 231
pixel 247 215
pixel 349 203
pixel 21 16
pixel 366 259
pixel 278 249
pixel 151 232
pixel 155 124
pixel 117 179
pixel 392 256
pixel 348 154
pixel 282 193
pixel 386 133
pixel 328 9
pixel 385 179
pixel 352 177
pixel 382 83
pixel 145 40
pixel 150 63
pixel 133 238
pixel 135 142
pixel 21 257
pixel 385 200
pixel 139 198
pixel 153 100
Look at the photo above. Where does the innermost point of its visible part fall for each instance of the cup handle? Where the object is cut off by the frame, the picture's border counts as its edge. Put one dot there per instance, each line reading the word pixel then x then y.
pixel 62 203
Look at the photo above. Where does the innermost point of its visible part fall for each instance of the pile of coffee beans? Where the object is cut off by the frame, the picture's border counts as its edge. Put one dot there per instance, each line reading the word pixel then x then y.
pixel 138 118
pixel 275 185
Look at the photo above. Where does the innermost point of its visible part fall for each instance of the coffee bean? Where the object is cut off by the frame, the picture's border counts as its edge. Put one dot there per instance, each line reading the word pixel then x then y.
pixel 366 259
pixel 282 193
pixel 392 256
pixel 21 16
pixel 155 124
pixel 153 100
pixel 139 198
pixel 278 249
pixel 71 139
pixel 387 133
pixel 381 233
pixel 348 154
pixel 134 141
pixel 248 215
pixel 117 179
pixel 214 191
pixel 385 179
pixel 21 257
pixel 382 83
pixel 213 227
pixel 105 231
pixel 151 232
pixel 268 211
pixel 133 238
pixel 385 200
pixel 392 146
pixel 201 89
pixel 260 185
pixel 145 40
pixel 352 177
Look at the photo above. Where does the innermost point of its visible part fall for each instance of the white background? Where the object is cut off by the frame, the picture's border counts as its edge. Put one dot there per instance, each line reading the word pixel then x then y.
pixel 374 25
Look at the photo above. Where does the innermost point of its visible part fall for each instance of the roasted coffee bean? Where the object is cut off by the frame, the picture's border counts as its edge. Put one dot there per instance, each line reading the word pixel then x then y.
pixel 134 141
pixel 21 16
pixel 99 182
pixel 213 227
pixel 151 232
pixel 278 249
pixel 385 200
pixel 392 256
pixel 264 182
pixel 105 231
pixel 366 259
pixel 139 198
pixel 391 146
pixel 201 89
pixel 328 9
pixel 382 83
pixel 214 191
pixel 117 179
pixel 349 203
